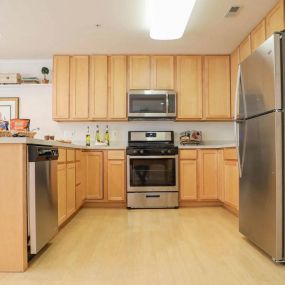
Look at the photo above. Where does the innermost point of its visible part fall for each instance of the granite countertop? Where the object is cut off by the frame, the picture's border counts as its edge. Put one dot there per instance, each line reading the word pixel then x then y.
pixel 113 145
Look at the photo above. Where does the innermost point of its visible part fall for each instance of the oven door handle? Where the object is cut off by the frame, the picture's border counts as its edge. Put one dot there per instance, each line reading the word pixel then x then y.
pixel 152 157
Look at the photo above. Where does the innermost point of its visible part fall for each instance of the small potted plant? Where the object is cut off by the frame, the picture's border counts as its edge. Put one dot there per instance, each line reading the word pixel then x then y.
pixel 45 72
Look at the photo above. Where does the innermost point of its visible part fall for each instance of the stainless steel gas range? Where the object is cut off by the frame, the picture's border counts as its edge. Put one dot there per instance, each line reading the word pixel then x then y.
pixel 152 170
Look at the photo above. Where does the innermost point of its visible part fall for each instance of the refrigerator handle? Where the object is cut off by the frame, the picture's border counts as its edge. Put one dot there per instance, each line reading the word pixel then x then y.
pixel 236 126
pixel 237 93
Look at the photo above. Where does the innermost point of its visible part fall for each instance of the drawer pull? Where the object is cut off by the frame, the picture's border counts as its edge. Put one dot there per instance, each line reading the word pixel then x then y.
pixel 152 196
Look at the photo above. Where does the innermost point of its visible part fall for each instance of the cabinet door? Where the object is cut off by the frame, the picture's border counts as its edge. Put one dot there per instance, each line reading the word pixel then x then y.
pixel 208 174
pixel 98 88
pixel 70 190
pixel 94 173
pixel 217 87
pixel 61 193
pixel 275 19
pixel 234 74
pixel 139 72
pixel 78 189
pixel 188 179
pixel 60 87
pixel 189 87
pixel 116 186
pixel 79 98
pixel 118 88
pixel 245 49
pixel 231 183
pixel 258 35
pixel 162 72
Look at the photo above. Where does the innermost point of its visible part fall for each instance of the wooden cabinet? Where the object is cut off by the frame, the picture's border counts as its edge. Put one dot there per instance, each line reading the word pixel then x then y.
pixel 275 19
pixel 151 72
pixel 162 72
pixel 118 88
pixel 258 35
pixel 234 74
pixel 79 91
pixel 98 87
pixel 188 171
pixel 217 87
pixel 189 87
pixel 61 190
pixel 70 189
pixel 139 72
pixel 116 184
pixel 60 98
pixel 245 49
pixel 231 178
pixel 94 175
pixel 208 174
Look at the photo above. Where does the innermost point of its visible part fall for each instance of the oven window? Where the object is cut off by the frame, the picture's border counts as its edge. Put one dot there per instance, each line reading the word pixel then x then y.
pixel 152 172
pixel 147 104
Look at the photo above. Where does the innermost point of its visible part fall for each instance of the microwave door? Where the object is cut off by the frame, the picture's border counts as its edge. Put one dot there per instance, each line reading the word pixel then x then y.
pixel 147 105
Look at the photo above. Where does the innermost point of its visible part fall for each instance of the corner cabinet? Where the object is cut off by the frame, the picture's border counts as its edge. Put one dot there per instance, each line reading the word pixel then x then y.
pixel 275 19
pixel 217 94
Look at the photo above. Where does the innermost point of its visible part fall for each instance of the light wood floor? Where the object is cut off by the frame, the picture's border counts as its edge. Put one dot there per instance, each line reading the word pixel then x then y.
pixel 116 246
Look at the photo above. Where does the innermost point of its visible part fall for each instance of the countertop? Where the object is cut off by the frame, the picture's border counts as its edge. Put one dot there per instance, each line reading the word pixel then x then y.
pixel 114 145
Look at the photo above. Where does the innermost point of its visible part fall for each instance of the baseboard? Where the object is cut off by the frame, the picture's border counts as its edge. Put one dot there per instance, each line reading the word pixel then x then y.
pixel 103 204
pixel 185 204
pixel 231 209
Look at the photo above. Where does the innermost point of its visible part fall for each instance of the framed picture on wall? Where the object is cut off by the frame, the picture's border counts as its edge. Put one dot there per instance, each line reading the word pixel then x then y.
pixel 9 108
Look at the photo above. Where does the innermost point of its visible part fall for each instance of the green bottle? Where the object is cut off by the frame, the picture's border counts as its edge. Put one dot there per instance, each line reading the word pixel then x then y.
pixel 88 137
pixel 107 135
pixel 97 134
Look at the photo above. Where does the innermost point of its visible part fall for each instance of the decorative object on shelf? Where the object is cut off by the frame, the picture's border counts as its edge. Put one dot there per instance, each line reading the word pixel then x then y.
pixel 49 137
pixel 45 72
pixel 10 78
pixel 9 108
pixel 32 79
pixel 5 133
pixel 23 134
pixel 19 124
pixel 190 137
pixel 4 125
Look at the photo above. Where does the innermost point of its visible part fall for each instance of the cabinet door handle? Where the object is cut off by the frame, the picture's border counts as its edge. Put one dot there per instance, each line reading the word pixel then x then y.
pixel 152 196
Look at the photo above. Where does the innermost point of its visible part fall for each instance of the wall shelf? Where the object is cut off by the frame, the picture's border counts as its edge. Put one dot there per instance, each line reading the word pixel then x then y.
pixel 23 85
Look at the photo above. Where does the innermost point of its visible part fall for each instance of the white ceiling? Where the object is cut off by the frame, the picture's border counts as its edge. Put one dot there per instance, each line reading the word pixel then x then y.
pixel 41 28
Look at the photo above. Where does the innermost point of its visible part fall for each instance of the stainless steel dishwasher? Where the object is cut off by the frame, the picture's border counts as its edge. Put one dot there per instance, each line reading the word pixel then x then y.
pixel 42 196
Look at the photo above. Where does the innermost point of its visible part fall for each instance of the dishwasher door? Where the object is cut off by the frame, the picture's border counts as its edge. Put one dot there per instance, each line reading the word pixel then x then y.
pixel 42 196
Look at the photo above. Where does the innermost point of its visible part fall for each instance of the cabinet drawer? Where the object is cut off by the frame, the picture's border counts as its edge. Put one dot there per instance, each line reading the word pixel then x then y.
pixel 188 154
pixel 116 154
pixel 62 155
pixel 78 154
pixel 70 155
pixel 230 154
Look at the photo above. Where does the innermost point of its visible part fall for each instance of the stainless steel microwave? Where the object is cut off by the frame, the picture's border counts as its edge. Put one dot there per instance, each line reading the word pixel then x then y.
pixel 143 104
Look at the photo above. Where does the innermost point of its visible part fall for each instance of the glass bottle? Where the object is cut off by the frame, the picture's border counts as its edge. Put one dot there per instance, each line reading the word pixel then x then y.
pixel 97 134
pixel 107 136
pixel 87 137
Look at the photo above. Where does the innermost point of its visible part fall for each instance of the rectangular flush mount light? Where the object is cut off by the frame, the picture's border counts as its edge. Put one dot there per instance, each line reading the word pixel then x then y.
pixel 168 18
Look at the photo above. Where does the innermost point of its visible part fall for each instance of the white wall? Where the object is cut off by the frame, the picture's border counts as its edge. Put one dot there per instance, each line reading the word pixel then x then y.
pixel 36 104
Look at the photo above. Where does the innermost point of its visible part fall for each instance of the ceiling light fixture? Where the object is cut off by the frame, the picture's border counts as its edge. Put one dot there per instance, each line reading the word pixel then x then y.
pixel 168 18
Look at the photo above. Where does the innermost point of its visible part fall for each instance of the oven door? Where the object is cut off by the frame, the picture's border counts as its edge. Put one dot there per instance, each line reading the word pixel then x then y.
pixel 152 173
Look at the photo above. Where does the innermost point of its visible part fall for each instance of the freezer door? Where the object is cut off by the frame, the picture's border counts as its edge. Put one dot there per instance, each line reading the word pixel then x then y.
pixel 261 76
pixel 261 183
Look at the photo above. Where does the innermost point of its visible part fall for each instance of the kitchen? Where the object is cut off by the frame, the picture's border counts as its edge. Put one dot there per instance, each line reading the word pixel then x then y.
pixel 149 94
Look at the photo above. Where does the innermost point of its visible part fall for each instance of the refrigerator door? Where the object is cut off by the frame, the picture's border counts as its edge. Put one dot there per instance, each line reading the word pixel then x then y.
pixel 260 217
pixel 261 78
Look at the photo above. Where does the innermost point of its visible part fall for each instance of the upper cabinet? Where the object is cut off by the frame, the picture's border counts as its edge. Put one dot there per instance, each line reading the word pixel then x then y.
pixel 162 72
pixel 151 72
pixel 275 19
pixel 118 87
pixel 60 101
pixel 245 49
pixel 234 74
pixel 258 35
pixel 98 88
pixel 79 92
pixel 189 87
pixel 139 72
pixel 217 101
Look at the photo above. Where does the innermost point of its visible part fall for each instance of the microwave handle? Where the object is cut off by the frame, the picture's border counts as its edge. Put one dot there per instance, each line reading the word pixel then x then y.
pixel 167 103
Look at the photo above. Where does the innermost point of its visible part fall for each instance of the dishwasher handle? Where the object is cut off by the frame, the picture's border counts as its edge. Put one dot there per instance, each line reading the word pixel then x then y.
pixel 42 153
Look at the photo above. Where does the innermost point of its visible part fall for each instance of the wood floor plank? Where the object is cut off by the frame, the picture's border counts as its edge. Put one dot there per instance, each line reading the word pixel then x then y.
pixel 118 246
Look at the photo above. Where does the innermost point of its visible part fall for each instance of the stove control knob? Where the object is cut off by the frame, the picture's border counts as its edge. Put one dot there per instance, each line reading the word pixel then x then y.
pixel 162 151
pixel 135 151
pixel 169 151
pixel 141 151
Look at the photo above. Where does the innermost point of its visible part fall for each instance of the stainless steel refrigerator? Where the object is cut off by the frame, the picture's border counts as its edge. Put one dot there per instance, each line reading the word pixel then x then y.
pixel 260 134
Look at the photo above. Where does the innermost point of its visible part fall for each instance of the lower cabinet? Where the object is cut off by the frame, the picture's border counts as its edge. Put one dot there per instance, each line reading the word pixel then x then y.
pixel 61 190
pixel 209 175
pixel 70 191
pixel 105 176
